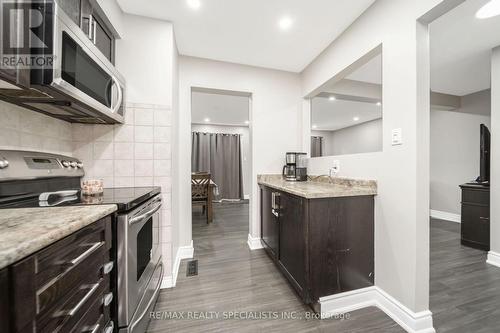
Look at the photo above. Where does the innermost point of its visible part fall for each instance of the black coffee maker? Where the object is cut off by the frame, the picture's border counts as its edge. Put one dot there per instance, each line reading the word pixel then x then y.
pixel 295 167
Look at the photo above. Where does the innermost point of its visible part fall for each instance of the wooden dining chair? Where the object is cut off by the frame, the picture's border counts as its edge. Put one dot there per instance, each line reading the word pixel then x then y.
pixel 200 193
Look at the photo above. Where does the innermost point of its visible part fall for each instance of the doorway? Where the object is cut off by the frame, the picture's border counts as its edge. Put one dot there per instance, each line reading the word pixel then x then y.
pixel 461 282
pixel 221 170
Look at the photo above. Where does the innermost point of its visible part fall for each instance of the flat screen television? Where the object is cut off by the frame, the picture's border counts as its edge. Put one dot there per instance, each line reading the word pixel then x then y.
pixel 484 175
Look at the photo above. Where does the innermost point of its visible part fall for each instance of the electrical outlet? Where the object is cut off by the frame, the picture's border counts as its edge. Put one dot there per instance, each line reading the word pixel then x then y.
pixel 335 169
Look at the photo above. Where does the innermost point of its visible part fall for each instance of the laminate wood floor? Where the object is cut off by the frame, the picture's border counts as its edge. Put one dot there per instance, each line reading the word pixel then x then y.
pixel 465 290
pixel 231 278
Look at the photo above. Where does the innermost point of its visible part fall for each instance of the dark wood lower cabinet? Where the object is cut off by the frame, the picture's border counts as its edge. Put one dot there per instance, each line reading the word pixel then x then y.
pixel 61 288
pixel 475 226
pixel 326 246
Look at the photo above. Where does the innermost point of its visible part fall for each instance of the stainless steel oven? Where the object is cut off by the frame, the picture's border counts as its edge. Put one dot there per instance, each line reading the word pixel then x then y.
pixel 140 269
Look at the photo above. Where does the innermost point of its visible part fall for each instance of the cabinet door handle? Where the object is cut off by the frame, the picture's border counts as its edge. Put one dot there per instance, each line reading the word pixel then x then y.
pixel 108 298
pixel 484 218
pixel 108 267
pixel 110 327
pixel 275 212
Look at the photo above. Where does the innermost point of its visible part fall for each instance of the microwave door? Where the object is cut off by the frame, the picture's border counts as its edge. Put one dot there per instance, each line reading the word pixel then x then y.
pixel 81 75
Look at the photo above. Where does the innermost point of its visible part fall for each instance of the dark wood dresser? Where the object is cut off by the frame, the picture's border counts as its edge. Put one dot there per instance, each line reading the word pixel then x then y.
pixel 475 228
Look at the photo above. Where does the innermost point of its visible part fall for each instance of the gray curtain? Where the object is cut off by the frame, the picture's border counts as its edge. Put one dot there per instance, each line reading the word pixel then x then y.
pixel 220 155
pixel 316 146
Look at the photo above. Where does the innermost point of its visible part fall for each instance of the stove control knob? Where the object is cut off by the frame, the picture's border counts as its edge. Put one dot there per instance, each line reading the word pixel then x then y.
pixel 65 164
pixel 3 163
pixel 79 165
pixel 72 164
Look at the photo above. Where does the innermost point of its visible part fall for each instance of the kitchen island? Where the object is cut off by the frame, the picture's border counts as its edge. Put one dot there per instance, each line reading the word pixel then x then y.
pixel 320 233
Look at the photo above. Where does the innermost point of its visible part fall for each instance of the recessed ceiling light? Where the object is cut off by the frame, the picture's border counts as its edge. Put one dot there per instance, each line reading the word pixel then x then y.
pixel 207 120
pixel 355 118
pixel 285 23
pixel 491 9
pixel 194 4
pixel 332 98
pixel 379 104
pixel 314 126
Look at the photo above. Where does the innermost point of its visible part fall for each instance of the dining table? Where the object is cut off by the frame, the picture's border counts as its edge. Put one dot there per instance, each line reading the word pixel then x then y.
pixel 213 192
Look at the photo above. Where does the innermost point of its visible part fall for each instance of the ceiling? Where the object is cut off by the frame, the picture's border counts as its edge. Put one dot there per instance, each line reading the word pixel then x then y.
pixel 247 32
pixel 220 109
pixel 460 50
pixel 334 115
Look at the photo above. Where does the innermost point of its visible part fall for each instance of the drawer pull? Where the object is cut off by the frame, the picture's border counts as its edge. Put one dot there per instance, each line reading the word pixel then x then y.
pixel 484 218
pixel 95 329
pixel 110 327
pixel 64 313
pixel 85 254
pixel 108 267
pixel 108 298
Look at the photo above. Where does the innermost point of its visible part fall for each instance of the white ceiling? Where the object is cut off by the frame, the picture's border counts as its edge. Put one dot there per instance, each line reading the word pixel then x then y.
pixel 370 72
pixel 247 32
pixel 334 115
pixel 460 50
pixel 221 109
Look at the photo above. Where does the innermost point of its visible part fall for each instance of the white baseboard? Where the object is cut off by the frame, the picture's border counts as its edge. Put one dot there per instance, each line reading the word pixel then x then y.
pixel 437 214
pixel 183 252
pixel 493 258
pixel 254 243
pixel 420 322
pixel 167 282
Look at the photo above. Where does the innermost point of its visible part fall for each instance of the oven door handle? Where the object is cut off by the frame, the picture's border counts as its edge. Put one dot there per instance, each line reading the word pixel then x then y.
pixel 145 216
pixel 155 294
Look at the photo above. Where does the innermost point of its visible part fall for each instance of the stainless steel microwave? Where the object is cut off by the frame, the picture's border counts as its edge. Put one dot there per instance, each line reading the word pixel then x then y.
pixel 80 85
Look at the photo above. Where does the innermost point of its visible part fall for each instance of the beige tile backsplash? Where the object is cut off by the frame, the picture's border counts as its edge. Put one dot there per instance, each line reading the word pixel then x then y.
pixel 28 130
pixel 137 153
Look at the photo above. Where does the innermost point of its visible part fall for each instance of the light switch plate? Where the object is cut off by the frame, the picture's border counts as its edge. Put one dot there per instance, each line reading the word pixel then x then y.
pixel 397 137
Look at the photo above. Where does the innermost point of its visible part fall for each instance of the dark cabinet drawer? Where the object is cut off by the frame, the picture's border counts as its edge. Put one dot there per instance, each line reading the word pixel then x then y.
pixel 473 196
pixel 54 289
pixel 475 227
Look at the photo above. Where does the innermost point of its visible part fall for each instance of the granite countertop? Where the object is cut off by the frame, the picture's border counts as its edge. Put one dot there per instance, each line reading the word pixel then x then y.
pixel 321 186
pixel 24 231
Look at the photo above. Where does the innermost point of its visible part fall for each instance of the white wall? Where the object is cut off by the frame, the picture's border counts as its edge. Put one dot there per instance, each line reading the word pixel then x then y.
pixel 139 153
pixel 362 138
pixel 275 122
pixel 24 129
pixel 144 57
pixel 401 226
pixel 245 149
pixel 455 150
pixel 495 153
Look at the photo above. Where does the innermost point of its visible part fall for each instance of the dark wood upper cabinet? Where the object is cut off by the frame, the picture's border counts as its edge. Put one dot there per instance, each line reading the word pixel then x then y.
pixel 326 246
